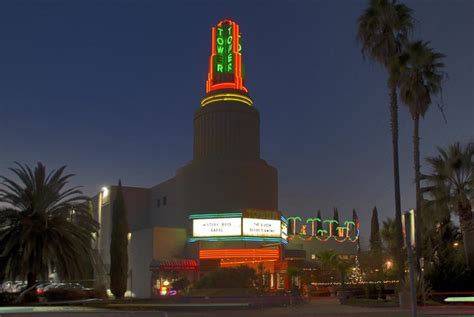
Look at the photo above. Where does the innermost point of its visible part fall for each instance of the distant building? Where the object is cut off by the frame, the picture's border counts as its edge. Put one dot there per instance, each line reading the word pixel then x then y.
pixel 220 209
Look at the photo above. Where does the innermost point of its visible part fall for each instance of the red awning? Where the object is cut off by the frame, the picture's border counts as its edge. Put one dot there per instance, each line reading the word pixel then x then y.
pixel 174 265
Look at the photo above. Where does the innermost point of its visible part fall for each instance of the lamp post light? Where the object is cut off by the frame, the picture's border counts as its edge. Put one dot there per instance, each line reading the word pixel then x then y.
pixel 409 222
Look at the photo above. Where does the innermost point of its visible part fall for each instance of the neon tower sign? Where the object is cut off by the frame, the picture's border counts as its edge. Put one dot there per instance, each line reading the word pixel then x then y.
pixel 225 65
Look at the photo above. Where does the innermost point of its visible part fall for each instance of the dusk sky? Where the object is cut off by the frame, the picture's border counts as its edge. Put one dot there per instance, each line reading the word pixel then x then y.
pixel 109 89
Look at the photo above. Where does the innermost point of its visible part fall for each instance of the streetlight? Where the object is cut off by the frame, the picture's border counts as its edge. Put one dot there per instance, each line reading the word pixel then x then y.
pixel 456 244
pixel 389 265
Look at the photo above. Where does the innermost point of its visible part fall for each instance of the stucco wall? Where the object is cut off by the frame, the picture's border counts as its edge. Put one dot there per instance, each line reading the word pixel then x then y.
pixel 165 213
pixel 140 256
pixel 169 243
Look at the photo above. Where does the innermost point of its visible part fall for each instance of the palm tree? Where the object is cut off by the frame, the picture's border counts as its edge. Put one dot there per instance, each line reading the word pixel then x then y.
pixel 420 79
pixel 382 30
pixel 388 233
pixel 453 175
pixel 330 261
pixel 44 226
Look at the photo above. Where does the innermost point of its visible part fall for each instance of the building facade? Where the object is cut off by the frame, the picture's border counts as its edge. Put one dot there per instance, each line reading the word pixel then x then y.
pixel 220 209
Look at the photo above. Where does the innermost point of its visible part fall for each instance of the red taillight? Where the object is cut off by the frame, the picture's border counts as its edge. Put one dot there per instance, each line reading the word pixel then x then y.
pixel 39 291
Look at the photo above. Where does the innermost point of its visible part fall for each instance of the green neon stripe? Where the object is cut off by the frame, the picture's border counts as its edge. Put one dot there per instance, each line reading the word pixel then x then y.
pixel 459 299
pixel 216 215
pixel 256 239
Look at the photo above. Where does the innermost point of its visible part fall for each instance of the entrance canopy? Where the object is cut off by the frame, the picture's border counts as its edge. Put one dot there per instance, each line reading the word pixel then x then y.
pixel 174 265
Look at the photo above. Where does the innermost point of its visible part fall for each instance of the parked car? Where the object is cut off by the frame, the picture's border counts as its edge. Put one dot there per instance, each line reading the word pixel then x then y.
pixel 13 286
pixel 41 286
pixel 65 291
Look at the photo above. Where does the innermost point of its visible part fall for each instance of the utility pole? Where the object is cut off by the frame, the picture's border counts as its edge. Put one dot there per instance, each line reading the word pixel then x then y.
pixel 409 230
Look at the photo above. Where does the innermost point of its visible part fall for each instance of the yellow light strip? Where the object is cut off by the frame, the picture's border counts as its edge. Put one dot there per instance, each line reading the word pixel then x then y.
pixel 246 262
pixel 226 97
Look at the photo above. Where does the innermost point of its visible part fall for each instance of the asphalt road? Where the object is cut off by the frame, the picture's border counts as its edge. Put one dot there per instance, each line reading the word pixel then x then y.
pixel 318 308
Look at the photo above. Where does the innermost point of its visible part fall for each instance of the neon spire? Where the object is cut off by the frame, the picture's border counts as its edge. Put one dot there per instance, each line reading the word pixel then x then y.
pixel 225 63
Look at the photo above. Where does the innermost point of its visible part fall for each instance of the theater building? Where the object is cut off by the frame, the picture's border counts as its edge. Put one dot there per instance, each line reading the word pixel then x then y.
pixel 221 208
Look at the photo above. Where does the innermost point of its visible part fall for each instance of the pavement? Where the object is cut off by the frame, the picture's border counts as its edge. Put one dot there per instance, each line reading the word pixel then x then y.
pixel 319 308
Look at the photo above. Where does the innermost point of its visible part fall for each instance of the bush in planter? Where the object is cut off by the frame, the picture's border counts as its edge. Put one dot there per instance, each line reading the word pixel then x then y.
pixel 7 298
pixel 371 291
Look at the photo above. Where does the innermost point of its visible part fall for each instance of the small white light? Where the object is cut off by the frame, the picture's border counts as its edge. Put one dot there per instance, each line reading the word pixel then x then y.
pixel 129 236
pixel 105 191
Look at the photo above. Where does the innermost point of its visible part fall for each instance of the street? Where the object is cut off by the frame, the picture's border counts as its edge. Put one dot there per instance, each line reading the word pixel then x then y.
pixel 320 308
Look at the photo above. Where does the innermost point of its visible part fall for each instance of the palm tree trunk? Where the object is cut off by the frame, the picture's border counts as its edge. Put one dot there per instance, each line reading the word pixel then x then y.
pixel 466 221
pixel 418 211
pixel 396 179
pixel 416 160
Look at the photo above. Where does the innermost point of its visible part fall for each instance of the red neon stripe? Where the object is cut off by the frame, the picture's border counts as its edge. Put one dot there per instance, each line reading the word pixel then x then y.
pixel 241 253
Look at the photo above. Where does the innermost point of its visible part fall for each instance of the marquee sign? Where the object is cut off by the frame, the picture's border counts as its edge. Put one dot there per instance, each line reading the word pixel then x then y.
pixel 225 65
pixel 263 225
pixel 220 227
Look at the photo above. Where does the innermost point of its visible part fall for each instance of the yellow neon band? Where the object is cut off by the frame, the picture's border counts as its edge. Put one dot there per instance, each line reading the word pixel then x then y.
pixel 226 97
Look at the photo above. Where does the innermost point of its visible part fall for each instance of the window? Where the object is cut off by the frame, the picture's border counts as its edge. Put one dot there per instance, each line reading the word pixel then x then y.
pixel 164 201
pixel 158 202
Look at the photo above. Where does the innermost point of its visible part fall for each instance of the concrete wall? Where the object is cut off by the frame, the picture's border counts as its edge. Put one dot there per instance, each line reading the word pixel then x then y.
pixel 227 130
pixel 140 256
pixel 225 185
pixel 169 243
pixel 227 173
pixel 165 213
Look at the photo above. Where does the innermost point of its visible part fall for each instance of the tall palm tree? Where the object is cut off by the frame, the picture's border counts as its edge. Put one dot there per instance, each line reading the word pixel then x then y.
pixel 383 28
pixel 420 79
pixel 44 226
pixel 452 174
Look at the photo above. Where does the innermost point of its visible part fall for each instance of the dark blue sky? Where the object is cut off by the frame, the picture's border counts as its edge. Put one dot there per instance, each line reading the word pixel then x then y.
pixel 109 89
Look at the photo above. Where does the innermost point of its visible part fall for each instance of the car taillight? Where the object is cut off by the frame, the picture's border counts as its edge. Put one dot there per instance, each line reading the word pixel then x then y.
pixel 39 291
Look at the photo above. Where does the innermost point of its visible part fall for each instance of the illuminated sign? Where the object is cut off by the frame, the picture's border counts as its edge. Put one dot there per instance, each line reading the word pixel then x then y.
pixel 261 227
pixel 224 60
pixel 270 226
pixel 284 230
pixel 328 229
pixel 262 214
pixel 225 66
pixel 219 227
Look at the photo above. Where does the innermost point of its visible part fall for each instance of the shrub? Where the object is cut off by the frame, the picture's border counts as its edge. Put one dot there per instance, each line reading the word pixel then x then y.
pixel 235 277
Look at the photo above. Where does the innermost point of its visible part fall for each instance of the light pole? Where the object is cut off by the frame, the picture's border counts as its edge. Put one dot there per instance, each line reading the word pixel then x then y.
pixel 409 239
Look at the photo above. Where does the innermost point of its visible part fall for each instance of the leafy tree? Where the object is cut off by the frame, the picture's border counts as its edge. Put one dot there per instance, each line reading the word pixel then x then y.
pixel 319 224
pixel 382 30
pixel 375 240
pixel 181 284
pixel 45 226
pixel 388 234
pixel 451 183
pixel 336 223
pixel 446 269
pixel 420 79
pixel 331 262
pixel 118 246
pixel 355 219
